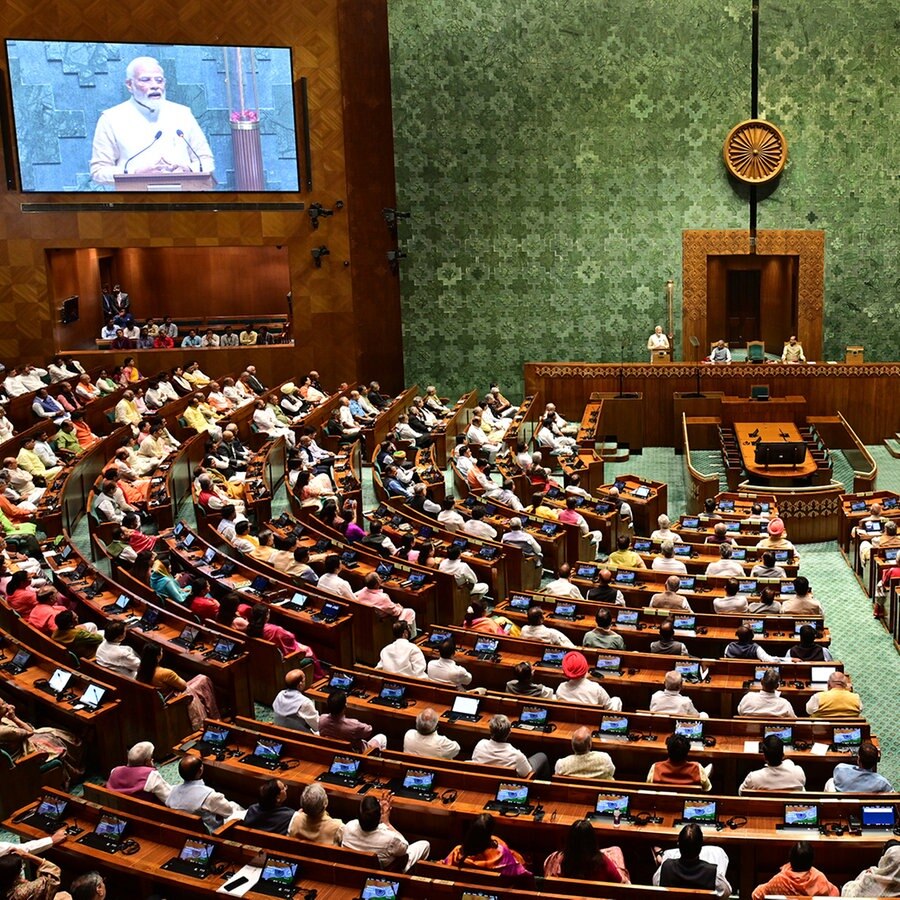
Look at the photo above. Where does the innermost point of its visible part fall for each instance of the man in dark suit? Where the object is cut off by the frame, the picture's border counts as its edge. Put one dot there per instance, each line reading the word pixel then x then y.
pixel 253 382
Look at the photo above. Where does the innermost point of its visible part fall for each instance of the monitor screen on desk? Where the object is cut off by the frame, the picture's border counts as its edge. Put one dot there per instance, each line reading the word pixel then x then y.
pixel 614 726
pixel 691 729
pixel 801 815
pixel 154 110
pixel 779 453
pixel 702 812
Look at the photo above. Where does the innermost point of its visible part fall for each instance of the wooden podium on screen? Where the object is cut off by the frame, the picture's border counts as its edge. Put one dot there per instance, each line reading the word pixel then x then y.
pixel 853 355
pixel 178 181
pixel 657 357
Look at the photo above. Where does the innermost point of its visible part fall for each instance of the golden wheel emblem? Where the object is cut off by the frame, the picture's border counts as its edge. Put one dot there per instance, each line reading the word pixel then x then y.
pixel 755 151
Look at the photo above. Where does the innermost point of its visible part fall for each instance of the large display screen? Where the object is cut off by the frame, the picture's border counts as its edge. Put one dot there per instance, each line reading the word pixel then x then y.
pixel 158 117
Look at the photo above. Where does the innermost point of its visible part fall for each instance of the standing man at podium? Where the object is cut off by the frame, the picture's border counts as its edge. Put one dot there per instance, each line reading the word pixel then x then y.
pixel 657 341
pixel 147 134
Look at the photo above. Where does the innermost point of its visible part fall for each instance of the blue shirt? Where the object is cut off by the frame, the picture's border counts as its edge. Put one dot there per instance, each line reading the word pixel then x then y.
pixel 849 778
pixel 356 410
pixel 191 341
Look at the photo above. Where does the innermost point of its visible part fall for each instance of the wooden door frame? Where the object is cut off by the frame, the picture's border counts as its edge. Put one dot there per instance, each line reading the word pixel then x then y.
pixel 808 246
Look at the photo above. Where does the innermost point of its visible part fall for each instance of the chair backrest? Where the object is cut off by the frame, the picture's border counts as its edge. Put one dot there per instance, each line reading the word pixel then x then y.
pixel 756 351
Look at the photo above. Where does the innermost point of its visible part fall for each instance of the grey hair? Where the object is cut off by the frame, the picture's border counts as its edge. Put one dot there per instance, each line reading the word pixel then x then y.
pixel 667 548
pixel 663 521
pixel 314 800
pixel 673 681
pixel 515 524
pixel 143 61
pixel 427 721
pixel 90 881
pixel 140 753
pixel 499 727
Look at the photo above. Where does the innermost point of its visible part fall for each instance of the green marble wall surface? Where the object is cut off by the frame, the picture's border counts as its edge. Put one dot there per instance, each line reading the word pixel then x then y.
pixel 552 151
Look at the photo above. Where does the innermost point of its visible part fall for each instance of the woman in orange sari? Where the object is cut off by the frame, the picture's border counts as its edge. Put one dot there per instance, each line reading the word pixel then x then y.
pixel 481 850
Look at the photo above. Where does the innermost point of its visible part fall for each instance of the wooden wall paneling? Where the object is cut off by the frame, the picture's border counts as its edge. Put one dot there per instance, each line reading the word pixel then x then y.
pixel 865 394
pixel 329 335
pixel 369 158
pixel 775 307
pixel 698 246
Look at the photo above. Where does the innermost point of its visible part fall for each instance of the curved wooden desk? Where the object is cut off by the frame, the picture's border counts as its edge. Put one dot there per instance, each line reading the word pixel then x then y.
pixel 748 433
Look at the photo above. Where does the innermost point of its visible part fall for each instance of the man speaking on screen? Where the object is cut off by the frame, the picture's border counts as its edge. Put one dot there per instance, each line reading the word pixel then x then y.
pixel 147 134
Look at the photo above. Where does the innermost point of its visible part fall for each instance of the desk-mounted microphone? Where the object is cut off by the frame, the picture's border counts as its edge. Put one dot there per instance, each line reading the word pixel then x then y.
pixel 182 135
pixel 128 162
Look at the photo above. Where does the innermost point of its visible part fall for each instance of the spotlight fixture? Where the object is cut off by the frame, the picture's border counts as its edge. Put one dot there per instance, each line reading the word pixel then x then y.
pixel 318 253
pixel 394 257
pixel 316 210
pixel 392 216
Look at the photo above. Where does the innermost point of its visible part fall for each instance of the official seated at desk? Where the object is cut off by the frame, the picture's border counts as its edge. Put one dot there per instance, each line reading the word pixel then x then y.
pixel 793 351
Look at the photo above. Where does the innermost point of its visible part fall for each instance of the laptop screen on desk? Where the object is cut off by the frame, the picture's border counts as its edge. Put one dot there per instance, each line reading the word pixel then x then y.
pixel 847 736
pixel 267 749
pixel 196 851
pixel 684 623
pixel 801 815
pixel 586 571
pixel 553 657
pixel 390 690
pixel 486 645
pixel 345 766
pixel 608 663
pixel 627 617
pixel 512 794
pixel 785 732
pixel 278 871
pixel 466 705
pixel 418 780
pixel 110 826
pixel 520 601
pixel 216 736
pixel 614 726
pixel 625 577
pixel 877 816
pixel 534 715
pixel 610 804
pixel 703 812
pixel 688 669
pixel 757 626
pixel 692 730
pixel 682 550
pixel 59 680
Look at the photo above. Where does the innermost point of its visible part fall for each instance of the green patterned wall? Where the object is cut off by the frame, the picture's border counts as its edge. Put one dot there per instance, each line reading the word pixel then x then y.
pixel 552 151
